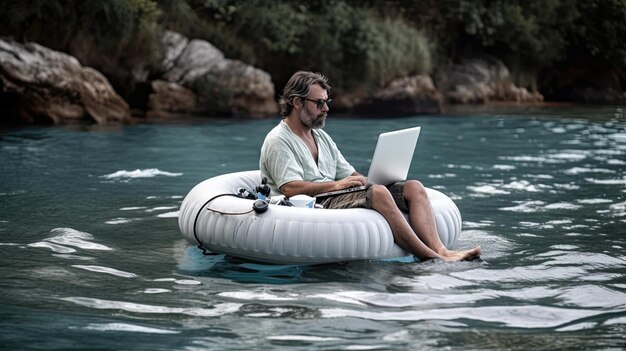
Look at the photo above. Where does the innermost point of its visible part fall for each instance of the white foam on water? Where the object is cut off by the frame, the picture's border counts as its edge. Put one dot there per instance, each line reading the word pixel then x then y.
pixel 458 166
pixel 593 201
pixel 54 247
pixel 161 208
pixel 528 235
pixel 140 173
pixel 482 224
pixel 562 206
pixel 570 155
pixel 607 181
pixel 616 162
pixel 121 220
pixel 125 327
pixel 572 234
pixel 441 176
pixel 504 167
pixel 156 291
pixel 525 158
pixel 107 270
pixel 525 206
pixel 619 209
pixel 539 176
pixel 540 206
pixel 133 208
pixel 187 282
pixel 619 137
pixel 559 222
pixel 522 185
pixel 216 311
pixel 488 190
pixel 168 215
pixel 581 170
pixel 529 224
pixel 567 186
pixel 73 237
pixel 564 247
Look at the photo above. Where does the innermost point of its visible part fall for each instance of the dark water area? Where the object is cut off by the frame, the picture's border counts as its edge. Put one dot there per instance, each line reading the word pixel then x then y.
pixel 92 258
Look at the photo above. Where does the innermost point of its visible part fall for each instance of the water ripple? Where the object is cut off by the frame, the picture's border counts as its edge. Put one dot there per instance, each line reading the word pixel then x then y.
pixel 257 295
pixel 593 296
pixel 527 316
pixel 140 173
pixel 125 327
pixel 54 247
pixel 73 237
pixel 404 300
pixel 539 273
pixel 106 270
pixel 217 310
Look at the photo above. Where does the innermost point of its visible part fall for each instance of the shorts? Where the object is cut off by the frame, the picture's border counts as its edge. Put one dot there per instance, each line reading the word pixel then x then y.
pixel 362 199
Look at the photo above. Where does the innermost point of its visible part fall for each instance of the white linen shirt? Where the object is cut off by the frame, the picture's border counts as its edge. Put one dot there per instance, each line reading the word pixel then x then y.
pixel 286 158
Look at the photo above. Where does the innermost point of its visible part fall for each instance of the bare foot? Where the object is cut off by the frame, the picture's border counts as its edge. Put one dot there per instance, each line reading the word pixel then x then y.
pixel 461 255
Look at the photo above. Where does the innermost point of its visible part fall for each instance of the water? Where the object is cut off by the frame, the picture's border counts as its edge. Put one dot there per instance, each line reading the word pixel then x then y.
pixel 91 256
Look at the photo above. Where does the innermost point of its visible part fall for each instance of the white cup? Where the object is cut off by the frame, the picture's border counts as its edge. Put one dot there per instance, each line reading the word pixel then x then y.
pixel 302 201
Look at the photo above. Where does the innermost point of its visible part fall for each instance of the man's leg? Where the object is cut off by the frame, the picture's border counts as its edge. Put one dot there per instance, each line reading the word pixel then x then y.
pixel 382 202
pixel 423 221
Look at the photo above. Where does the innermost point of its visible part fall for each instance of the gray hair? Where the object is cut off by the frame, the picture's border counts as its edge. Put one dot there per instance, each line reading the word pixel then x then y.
pixel 299 85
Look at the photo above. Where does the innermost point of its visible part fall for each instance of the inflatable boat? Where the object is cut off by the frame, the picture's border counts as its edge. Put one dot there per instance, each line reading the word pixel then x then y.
pixel 215 218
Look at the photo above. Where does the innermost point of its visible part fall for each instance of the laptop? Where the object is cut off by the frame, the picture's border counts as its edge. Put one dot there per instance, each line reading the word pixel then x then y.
pixel 391 161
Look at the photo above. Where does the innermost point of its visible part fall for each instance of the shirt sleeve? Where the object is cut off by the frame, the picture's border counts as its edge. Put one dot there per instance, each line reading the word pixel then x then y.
pixel 282 165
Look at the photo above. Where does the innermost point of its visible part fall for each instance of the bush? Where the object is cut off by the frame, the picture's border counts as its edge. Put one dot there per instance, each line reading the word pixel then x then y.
pixel 396 50
pixel 352 45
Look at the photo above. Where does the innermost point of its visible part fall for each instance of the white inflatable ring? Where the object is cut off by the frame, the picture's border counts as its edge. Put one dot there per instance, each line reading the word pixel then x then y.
pixel 290 235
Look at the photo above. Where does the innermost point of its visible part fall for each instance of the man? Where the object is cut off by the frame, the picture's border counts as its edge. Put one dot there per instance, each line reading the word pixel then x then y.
pixel 298 157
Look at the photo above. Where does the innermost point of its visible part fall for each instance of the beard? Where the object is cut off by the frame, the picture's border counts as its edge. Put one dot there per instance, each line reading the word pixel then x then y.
pixel 311 120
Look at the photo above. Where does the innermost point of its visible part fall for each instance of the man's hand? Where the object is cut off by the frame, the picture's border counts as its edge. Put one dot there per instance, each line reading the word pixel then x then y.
pixel 351 181
pixel 313 188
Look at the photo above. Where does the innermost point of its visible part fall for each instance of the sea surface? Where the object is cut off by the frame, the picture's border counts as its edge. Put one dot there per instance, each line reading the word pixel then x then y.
pixel 91 256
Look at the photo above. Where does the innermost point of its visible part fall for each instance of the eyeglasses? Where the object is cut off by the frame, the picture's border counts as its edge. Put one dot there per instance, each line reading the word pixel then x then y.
pixel 320 103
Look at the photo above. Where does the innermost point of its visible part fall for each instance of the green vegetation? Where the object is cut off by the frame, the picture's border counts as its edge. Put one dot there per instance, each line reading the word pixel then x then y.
pixel 358 44
pixel 353 45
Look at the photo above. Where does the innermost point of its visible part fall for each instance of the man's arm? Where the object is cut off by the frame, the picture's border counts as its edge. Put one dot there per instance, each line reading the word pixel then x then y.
pixel 313 188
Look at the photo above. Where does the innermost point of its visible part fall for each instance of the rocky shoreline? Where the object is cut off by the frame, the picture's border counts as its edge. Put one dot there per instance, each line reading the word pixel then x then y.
pixel 41 86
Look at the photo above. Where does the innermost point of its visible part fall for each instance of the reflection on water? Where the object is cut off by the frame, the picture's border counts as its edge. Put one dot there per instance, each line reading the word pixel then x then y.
pixel 89 241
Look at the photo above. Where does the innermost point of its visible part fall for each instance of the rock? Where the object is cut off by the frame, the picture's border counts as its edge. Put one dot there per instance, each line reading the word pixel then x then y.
pixel 223 86
pixel 52 87
pixel 171 100
pixel 173 46
pixel 480 80
pixel 404 96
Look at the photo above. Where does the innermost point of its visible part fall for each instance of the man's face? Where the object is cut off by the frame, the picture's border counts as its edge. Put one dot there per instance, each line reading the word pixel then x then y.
pixel 310 115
